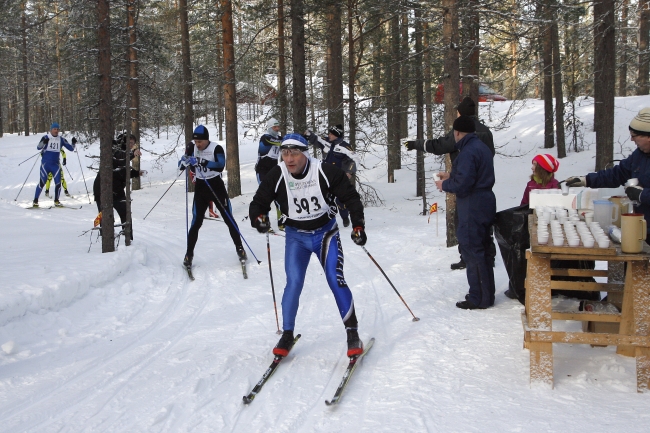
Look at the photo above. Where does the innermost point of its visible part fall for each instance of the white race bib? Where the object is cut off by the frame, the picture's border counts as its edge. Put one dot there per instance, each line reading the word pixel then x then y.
pixel 207 153
pixel 304 196
pixel 54 145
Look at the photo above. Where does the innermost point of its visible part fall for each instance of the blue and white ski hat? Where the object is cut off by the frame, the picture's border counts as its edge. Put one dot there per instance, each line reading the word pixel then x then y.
pixel 294 141
pixel 54 125
pixel 201 133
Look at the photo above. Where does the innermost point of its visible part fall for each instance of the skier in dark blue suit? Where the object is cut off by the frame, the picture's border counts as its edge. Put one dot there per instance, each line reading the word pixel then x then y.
pixel 472 179
pixel 50 147
pixel 306 190
pixel 339 153
pixel 207 160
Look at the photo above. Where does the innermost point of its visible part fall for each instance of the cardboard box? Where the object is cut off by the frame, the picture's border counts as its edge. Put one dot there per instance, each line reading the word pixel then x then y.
pixel 601 328
pixel 553 198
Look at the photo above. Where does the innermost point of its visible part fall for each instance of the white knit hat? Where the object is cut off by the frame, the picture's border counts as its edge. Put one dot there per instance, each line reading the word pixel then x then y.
pixel 640 125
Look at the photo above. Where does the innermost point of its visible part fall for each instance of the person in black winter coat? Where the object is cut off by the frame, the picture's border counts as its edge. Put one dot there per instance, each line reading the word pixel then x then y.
pixel 447 144
pixel 339 153
pixel 472 179
pixel 119 176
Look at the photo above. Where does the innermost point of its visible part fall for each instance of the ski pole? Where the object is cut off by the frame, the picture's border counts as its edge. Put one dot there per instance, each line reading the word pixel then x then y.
pixel 37 153
pixel 161 197
pixel 82 173
pixel 415 319
pixel 66 168
pixel 30 172
pixel 275 307
pixel 224 211
pixel 187 223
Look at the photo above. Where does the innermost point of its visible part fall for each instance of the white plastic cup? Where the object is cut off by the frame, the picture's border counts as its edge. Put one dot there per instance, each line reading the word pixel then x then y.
pixel 603 242
pixel 588 242
pixel 558 241
pixel 589 217
pixel 573 242
pixel 542 239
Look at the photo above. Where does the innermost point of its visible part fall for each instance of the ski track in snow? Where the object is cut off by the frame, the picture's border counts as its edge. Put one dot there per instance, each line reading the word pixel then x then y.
pixel 125 342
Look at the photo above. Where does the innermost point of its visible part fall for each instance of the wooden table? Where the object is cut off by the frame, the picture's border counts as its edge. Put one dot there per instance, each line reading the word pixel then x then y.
pixel 633 338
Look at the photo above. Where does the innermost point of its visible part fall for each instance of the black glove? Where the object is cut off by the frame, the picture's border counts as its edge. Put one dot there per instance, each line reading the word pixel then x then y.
pixel 359 236
pixel 576 181
pixel 203 162
pixel 262 224
pixel 634 193
pixel 74 140
pixel 411 145
pixel 64 161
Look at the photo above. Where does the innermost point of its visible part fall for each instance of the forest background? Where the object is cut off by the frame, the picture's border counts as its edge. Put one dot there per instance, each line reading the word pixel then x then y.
pixel 152 67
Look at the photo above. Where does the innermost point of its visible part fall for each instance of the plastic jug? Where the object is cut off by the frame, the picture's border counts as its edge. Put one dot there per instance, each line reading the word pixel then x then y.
pixel 605 212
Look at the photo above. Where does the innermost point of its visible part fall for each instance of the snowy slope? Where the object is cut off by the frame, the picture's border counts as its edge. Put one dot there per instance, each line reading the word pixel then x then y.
pixel 124 342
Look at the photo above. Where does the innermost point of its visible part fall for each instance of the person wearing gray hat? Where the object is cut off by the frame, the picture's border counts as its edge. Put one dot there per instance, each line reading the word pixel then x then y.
pixel 635 166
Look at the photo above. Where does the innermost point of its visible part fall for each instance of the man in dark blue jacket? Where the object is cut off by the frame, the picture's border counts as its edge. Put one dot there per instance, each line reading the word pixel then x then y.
pixel 637 165
pixel 447 144
pixel 472 179
pixel 339 153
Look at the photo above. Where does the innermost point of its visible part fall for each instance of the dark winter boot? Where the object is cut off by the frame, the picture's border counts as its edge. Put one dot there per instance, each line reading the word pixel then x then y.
pixel 510 294
pixel 241 253
pixel 459 265
pixel 284 345
pixel 355 346
pixel 468 305
pixel 187 261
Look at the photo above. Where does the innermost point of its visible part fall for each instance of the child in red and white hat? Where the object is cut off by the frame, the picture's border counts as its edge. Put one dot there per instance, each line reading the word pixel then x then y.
pixel 542 178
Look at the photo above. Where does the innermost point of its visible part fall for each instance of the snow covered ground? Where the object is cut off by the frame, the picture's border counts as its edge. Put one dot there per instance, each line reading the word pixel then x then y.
pixel 123 342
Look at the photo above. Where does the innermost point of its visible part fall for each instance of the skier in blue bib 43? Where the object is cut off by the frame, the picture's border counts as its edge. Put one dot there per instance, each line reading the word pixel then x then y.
pixel 306 190
pixel 50 147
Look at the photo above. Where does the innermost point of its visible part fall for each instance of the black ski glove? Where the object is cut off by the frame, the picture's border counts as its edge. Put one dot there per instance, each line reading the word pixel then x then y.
pixel 74 140
pixel 203 162
pixel 359 236
pixel 576 181
pixel 634 193
pixel 411 145
pixel 64 161
pixel 262 224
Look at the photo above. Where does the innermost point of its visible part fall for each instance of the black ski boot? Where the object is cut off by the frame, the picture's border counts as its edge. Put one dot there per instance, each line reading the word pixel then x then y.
pixel 35 203
pixel 57 203
pixel 187 261
pixel 355 346
pixel 67 193
pixel 284 345
pixel 47 193
pixel 241 253
pixel 459 265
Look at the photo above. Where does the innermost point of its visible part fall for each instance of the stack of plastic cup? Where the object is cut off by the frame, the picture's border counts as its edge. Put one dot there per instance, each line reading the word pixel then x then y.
pixel 557 233
pixel 599 235
pixel 572 237
pixel 585 234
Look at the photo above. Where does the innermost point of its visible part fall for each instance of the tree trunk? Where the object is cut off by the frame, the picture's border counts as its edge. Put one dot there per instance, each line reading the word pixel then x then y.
pixel 282 70
pixel 514 44
pixel 352 76
pixel 644 49
pixel 557 88
pixel 547 56
pixel 419 110
pixel 404 81
pixel 25 74
pixel 428 94
pixel 472 47
pixel 451 83
pixel 394 122
pixel 604 80
pixel 334 65
pixel 298 65
pixel 188 107
pixel 232 143
pixel 219 82
pixel 105 125
pixel 622 73
pixel 134 84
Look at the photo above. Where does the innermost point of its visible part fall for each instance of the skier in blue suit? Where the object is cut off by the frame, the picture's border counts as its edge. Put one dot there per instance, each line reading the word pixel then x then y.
pixel 306 190
pixel 50 147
